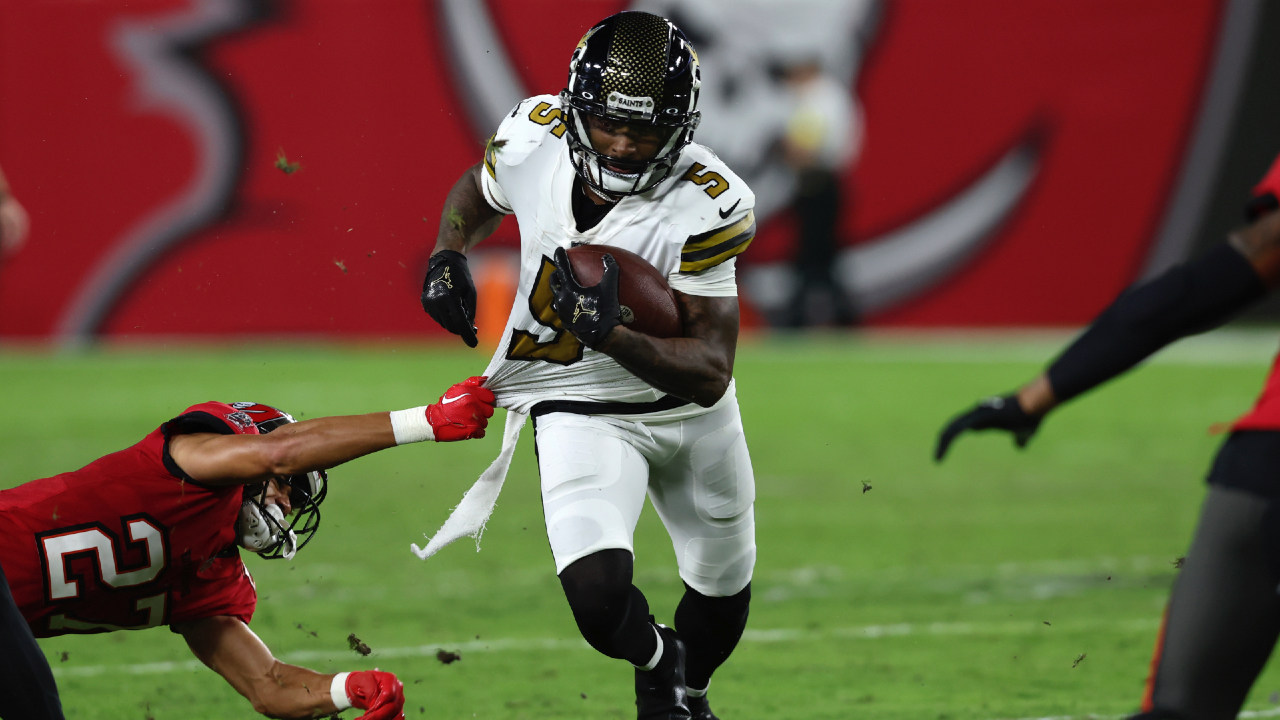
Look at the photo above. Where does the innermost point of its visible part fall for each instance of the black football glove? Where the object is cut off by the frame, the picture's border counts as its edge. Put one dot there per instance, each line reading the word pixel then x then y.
pixel 997 413
pixel 449 296
pixel 590 313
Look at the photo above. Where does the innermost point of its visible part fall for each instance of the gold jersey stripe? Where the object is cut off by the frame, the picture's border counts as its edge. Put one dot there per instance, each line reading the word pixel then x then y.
pixel 490 153
pixel 715 237
pixel 731 248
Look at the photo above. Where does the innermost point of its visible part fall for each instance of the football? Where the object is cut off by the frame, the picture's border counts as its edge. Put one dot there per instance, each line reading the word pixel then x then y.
pixel 648 304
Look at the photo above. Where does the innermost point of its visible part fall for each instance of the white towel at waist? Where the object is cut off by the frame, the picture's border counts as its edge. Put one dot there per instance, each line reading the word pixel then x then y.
pixel 477 505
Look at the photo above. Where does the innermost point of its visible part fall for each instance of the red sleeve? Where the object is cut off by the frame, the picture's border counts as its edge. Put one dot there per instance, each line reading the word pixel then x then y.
pixel 222 586
pixel 1265 414
pixel 209 417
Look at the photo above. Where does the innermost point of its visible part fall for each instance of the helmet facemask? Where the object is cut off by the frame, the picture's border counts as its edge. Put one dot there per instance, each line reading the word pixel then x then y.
pixel 262 525
pixel 643 175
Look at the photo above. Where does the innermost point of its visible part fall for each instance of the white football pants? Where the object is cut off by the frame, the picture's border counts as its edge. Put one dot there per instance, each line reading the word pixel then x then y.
pixel 596 470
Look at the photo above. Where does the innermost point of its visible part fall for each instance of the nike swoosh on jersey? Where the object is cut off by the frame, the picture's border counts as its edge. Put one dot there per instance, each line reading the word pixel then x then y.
pixel 446 401
pixel 726 213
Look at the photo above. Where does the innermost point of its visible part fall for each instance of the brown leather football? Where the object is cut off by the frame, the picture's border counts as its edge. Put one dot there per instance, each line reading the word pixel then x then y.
pixel 648 305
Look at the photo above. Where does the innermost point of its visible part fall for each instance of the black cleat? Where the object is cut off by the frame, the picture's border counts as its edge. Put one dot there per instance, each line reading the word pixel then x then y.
pixel 660 692
pixel 700 709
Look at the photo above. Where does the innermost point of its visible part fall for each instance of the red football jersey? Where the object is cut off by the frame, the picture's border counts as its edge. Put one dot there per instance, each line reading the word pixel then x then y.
pixel 129 541
pixel 1265 414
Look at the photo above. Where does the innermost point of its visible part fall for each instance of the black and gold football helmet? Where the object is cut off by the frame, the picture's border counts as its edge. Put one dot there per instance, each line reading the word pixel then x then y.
pixel 639 69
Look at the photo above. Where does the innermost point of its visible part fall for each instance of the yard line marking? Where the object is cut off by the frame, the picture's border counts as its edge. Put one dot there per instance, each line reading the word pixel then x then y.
pixel 1222 348
pixel 313 655
pixel 774 635
pixel 1271 712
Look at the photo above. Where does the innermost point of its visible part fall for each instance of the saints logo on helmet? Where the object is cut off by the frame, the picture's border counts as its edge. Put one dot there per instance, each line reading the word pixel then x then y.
pixel 262 527
pixel 639 69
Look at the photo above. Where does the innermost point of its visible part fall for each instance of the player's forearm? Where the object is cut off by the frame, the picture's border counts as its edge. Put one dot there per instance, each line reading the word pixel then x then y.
pixel 228 647
pixel 326 442
pixel 467 217
pixel 316 444
pixel 284 691
pixel 689 368
pixel 1037 397
pixel 1188 299
pixel 290 691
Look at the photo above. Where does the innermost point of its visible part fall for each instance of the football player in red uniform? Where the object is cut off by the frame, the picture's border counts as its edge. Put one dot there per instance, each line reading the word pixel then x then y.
pixel 150 535
pixel 1223 616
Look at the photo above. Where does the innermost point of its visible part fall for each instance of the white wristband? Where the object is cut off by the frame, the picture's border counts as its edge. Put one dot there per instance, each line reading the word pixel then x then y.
pixel 338 691
pixel 411 426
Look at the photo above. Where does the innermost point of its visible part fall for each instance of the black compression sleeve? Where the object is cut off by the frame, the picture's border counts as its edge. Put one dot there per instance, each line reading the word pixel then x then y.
pixel 1190 298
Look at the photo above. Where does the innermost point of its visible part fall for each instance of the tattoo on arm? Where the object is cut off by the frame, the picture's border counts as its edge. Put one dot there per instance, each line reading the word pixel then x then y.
pixel 467 217
pixel 455 219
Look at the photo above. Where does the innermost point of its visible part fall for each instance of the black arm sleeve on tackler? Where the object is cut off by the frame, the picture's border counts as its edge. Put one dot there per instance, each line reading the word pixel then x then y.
pixel 1188 299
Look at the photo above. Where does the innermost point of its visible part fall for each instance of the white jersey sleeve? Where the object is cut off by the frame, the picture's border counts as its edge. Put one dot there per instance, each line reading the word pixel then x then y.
pixel 718 212
pixel 521 132
pixel 718 281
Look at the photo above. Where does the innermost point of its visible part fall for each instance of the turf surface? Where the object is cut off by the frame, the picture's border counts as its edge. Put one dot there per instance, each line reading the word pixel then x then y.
pixel 966 590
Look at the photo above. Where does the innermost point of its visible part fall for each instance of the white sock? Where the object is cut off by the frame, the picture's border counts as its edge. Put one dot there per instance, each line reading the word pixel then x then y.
pixel 338 691
pixel 411 426
pixel 696 693
pixel 657 654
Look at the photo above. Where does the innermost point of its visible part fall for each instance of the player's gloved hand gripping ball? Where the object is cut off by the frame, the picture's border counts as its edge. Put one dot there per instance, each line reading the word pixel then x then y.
pixel 997 413
pixel 590 313
pixel 380 693
pixel 449 295
pixel 1266 194
pixel 462 413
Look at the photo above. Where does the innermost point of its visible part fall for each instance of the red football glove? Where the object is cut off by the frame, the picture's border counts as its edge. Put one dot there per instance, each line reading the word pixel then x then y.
pixel 380 693
pixel 463 411
pixel 1266 194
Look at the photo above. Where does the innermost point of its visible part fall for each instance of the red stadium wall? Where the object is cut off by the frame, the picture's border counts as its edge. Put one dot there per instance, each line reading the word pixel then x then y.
pixel 362 96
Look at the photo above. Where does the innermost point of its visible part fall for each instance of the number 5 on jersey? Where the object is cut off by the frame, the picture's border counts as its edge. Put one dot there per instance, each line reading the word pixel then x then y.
pixel 564 348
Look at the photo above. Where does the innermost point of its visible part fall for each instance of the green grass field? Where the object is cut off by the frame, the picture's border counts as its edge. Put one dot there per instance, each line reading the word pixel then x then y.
pixel 966 590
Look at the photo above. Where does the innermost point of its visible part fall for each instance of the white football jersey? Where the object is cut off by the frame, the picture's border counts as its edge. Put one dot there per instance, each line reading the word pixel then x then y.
pixel 690 228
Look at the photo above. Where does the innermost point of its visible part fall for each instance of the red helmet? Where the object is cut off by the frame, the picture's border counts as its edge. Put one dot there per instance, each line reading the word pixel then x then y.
pixel 275 539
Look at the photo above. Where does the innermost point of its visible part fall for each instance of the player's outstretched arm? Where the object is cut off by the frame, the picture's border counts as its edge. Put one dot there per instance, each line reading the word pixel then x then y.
pixel 462 413
pixel 280 690
pixel 1191 298
pixel 448 293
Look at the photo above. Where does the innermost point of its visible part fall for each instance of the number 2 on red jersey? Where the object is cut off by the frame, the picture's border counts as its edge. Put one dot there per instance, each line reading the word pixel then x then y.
pixel 58 547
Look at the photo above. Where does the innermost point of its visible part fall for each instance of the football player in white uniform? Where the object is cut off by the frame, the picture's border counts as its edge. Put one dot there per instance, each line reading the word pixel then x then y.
pixel 617 413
